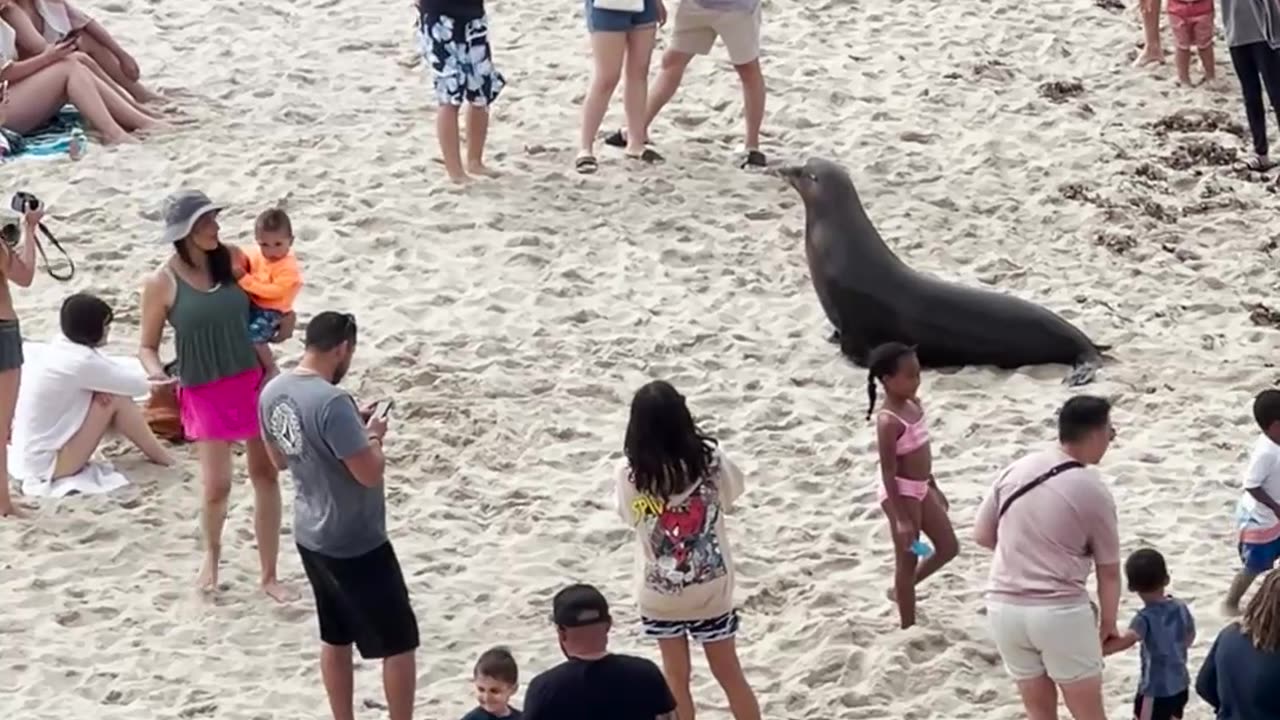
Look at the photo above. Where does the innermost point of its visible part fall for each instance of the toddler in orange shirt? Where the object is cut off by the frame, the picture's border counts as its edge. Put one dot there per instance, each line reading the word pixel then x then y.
pixel 272 281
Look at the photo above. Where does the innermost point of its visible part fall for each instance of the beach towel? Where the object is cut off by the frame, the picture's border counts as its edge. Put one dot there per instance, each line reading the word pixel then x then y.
pixel 52 140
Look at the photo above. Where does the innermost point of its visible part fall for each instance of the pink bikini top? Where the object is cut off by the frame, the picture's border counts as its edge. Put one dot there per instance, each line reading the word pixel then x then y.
pixel 914 435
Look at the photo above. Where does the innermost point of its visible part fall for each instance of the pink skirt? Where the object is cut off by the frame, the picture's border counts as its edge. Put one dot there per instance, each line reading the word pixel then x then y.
pixel 225 409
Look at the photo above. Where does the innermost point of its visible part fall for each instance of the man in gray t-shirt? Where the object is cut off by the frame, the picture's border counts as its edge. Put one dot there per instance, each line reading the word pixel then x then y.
pixel 315 425
pixel 313 429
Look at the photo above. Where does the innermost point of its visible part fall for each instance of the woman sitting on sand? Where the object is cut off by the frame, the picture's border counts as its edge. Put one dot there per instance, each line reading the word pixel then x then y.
pixel 55 19
pixel 40 85
pixel 622 45
pixel 195 291
pixel 72 394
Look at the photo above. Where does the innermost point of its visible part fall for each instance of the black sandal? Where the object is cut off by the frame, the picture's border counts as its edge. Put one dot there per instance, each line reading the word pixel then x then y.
pixel 754 158
pixel 617 139
pixel 1257 164
pixel 649 155
pixel 586 164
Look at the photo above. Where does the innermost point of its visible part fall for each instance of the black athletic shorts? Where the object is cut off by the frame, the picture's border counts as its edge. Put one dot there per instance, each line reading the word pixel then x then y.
pixel 1165 708
pixel 362 600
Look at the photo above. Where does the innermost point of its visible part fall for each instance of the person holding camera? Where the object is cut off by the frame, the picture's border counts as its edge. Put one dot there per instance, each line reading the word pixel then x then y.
pixel 18 266
pixel 195 291
pixel 35 88
pixel 334 452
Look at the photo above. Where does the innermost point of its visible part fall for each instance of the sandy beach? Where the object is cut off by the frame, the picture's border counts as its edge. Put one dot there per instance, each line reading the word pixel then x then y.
pixel 512 321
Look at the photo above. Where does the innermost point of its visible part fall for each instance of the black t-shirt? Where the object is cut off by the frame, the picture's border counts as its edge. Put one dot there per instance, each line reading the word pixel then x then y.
pixel 456 9
pixel 482 714
pixel 617 687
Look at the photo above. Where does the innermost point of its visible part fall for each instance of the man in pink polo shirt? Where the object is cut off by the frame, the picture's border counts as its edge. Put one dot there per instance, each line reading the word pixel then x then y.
pixel 697 24
pixel 1050 519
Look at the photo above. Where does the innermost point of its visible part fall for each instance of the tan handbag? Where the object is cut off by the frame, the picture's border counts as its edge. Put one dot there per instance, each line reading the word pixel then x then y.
pixel 163 415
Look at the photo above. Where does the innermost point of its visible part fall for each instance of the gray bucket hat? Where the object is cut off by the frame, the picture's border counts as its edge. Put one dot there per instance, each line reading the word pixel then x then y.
pixel 181 211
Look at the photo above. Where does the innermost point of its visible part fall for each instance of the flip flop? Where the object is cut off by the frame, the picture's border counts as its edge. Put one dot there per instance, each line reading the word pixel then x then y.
pixel 1257 164
pixel 649 155
pixel 617 139
pixel 753 158
pixel 586 164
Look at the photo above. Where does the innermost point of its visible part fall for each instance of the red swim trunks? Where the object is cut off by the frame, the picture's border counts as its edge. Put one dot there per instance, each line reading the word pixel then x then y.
pixel 1192 23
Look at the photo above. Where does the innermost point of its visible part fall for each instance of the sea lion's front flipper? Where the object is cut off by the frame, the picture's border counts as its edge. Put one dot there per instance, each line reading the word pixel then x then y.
pixel 1082 373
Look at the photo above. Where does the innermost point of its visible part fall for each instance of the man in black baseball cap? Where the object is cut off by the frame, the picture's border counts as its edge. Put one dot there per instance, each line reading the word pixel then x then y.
pixel 593 683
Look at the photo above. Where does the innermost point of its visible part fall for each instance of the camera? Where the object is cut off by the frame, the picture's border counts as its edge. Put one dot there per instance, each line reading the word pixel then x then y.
pixel 24 202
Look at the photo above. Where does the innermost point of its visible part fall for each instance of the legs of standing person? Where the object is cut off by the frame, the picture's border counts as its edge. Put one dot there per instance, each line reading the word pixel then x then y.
pixel 266 517
pixel 339 680
pixel 904 564
pixel 266 359
pixel 9 382
pixel 1255 559
pixel 110 64
pixel 1268 62
pixel 1244 60
pixel 741 35
pixel 108 412
pixel 1208 61
pixel 635 94
pixel 215 478
pixel 482 90
pixel 438 40
pixel 38 97
pixel 722 657
pixel 608 50
pixel 1152 51
pixel 678 670
pixel 936 525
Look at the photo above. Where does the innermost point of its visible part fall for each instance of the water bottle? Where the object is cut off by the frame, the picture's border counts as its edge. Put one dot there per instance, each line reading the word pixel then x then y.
pixel 921 548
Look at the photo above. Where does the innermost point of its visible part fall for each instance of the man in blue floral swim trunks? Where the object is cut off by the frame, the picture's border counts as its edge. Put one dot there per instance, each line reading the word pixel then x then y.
pixel 454 38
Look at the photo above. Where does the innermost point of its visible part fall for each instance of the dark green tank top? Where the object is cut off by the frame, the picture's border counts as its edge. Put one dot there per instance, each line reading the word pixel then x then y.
pixel 211 332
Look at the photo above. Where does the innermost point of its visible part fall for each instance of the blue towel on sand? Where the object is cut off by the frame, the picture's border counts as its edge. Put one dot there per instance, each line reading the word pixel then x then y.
pixel 54 138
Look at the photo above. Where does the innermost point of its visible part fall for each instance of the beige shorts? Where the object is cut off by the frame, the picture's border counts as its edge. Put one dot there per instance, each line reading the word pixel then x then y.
pixel 696 28
pixel 1060 641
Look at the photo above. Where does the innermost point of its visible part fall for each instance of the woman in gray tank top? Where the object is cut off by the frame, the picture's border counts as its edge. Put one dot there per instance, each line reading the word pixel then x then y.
pixel 218 375
pixel 17 266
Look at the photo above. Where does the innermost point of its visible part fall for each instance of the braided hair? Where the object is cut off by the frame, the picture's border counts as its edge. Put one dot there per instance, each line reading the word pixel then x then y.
pixel 881 363
pixel 1261 619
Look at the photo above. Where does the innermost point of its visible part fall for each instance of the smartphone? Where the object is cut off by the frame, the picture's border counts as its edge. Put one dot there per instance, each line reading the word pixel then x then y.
pixel 382 409
pixel 71 36
pixel 4 91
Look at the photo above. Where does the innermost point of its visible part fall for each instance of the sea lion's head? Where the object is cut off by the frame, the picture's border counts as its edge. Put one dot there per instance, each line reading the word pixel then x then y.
pixel 818 181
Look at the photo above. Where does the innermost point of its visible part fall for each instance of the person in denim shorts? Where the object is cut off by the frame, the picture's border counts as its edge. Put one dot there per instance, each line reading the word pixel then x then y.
pixel 454 39
pixel 621 42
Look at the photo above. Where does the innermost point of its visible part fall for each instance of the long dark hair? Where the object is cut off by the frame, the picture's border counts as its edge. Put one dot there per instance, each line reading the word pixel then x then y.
pixel 666 450
pixel 219 260
pixel 881 363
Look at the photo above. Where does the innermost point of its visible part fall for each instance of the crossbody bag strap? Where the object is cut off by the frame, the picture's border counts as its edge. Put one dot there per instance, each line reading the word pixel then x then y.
pixel 1056 470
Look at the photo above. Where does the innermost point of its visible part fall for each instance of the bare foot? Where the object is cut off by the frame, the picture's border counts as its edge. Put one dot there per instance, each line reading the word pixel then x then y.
pixel 207 580
pixel 10 510
pixel 482 170
pixel 459 178
pixel 1148 59
pixel 278 592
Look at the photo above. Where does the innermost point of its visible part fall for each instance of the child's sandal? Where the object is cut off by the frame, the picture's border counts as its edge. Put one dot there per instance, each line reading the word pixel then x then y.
pixel 586 164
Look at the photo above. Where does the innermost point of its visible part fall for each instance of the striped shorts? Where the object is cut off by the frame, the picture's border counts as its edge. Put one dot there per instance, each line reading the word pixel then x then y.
pixel 702 631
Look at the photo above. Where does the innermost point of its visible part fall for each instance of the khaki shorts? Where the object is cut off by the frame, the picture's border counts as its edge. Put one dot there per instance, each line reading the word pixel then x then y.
pixel 1060 641
pixel 696 28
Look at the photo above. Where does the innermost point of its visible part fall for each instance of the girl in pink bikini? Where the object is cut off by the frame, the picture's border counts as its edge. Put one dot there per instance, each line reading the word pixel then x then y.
pixel 908 494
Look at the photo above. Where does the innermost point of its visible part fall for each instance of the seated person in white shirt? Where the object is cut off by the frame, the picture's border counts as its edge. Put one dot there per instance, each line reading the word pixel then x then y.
pixel 73 394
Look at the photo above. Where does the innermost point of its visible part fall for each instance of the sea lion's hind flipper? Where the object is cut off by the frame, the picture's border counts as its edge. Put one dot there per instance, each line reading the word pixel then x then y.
pixel 1082 373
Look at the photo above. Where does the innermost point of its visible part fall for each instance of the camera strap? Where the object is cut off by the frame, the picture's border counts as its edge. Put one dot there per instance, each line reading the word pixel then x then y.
pixel 71 265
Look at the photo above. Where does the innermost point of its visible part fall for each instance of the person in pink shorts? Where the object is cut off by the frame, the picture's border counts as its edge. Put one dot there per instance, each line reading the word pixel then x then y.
pixel 1192 23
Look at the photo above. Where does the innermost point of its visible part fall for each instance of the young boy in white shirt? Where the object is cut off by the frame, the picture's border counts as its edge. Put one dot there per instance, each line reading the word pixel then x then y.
pixel 1258 513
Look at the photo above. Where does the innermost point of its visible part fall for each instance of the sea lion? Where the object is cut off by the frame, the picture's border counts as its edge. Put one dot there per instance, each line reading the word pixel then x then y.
pixel 872 297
